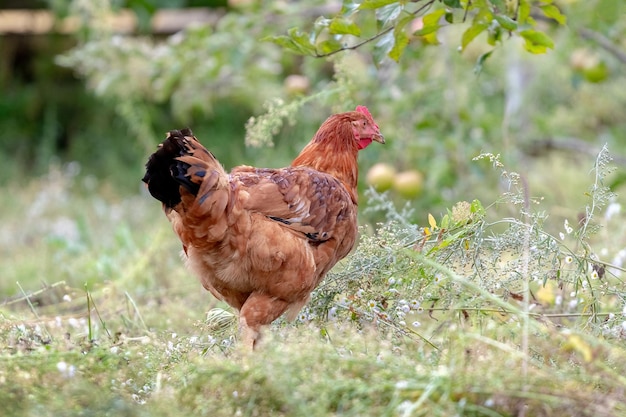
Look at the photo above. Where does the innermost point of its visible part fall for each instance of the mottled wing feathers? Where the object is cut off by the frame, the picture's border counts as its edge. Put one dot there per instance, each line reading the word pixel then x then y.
pixel 302 199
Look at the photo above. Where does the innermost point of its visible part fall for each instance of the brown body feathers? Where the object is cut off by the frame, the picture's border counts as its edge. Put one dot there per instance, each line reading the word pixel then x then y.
pixel 263 239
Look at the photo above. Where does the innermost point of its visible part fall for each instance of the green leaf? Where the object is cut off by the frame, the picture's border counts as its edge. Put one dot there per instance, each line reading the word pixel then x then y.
pixel 476 29
pixel 388 14
pixel 536 42
pixel 453 3
pixel 328 46
pixel 295 41
pixel 498 4
pixel 431 25
pixel 553 12
pixel 477 206
pixel 494 34
pixel 301 41
pixel 349 8
pixel 384 45
pixel 523 14
pixel 480 62
pixel 426 30
pixel 401 40
pixel 343 26
pixel 432 18
pixel 375 4
pixel 283 41
pixel 506 22
pixel 445 222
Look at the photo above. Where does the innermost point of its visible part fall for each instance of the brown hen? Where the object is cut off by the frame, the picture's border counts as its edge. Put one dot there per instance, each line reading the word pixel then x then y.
pixel 262 239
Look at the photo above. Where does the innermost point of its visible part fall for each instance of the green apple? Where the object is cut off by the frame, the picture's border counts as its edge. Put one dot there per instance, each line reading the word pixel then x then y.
pixel 408 184
pixel 381 176
pixel 597 73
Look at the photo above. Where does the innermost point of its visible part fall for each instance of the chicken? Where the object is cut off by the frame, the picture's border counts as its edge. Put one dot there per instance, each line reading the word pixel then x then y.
pixel 262 239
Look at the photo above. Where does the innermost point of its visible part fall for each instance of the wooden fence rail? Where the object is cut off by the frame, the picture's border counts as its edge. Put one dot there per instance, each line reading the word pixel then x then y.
pixel 164 21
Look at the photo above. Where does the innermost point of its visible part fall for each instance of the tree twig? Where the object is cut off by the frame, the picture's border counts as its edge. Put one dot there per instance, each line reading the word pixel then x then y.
pixel 571 144
pixel 603 42
pixel 373 38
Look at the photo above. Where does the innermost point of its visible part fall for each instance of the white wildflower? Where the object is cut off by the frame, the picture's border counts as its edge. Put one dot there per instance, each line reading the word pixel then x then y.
pixel 67 370
pixel 612 210
pixel 567 227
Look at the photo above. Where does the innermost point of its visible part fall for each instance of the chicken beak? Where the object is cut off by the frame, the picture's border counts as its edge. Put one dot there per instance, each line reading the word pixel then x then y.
pixel 378 137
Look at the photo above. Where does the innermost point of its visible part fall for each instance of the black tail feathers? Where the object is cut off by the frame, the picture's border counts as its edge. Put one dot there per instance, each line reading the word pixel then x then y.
pixel 165 174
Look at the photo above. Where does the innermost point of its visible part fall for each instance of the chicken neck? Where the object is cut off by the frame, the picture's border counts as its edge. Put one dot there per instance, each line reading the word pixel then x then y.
pixel 333 151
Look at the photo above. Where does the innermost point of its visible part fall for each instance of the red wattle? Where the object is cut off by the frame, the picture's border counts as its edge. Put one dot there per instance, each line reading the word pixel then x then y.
pixel 364 143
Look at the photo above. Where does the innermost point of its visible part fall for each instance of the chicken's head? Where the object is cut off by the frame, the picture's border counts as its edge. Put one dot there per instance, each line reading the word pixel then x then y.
pixel 364 128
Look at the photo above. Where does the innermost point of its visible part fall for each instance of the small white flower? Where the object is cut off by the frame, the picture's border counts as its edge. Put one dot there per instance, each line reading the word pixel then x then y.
pixel 416 323
pixel 391 281
pixel 569 259
pixel 558 300
pixel 402 385
pixel 594 275
pixel 567 227
pixel 414 304
pixel 371 303
pixel 68 371
pixel 612 210
pixel 405 308
pixel 67 298
pixel 562 235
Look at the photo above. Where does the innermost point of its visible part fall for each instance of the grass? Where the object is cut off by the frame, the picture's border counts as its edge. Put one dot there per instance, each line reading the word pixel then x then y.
pixel 100 318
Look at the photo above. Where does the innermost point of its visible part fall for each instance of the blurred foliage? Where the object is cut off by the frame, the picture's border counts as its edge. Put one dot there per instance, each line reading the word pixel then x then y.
pixel 436 112
pixel 389 25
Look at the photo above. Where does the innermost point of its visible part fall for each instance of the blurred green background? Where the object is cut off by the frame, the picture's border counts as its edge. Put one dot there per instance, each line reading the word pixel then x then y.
pixel 102 96
pixel 89 100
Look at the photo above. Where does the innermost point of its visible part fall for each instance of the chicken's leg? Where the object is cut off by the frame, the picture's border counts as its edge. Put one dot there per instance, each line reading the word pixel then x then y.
pixel 258 310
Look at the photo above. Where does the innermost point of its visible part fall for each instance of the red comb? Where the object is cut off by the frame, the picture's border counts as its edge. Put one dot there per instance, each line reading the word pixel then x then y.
pixel 366 112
